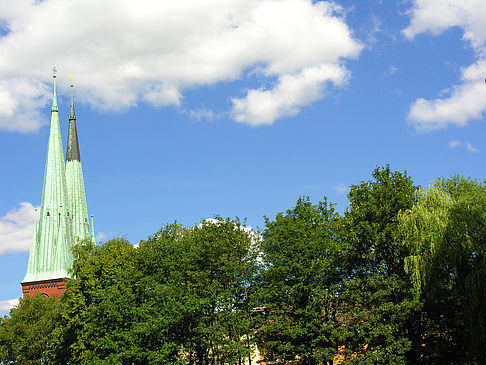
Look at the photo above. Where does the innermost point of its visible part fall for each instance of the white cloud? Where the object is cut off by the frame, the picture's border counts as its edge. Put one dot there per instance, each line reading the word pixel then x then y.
pixel 468 99
pixel 466 102
pixel 340 188
pixel 163 95
pixel 455 143
pixel 125 52
pixel 291 93
pixel 6 305
pixel 471 148
pixel 21 104
pixel 100 236
pixel 16 229
pixel 200 114
pixel 391 71
pixel 435 16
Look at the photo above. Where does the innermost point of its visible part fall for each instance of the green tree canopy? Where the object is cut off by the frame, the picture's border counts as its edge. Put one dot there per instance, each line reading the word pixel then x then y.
pixel 372 222
pixel 182 296
pixel 26 336
pixel 398 279
pixel 446 235
pixel 379 320
pixel 298 286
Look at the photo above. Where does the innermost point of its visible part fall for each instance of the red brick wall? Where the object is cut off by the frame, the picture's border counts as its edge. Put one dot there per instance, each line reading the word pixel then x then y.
pixel 47 288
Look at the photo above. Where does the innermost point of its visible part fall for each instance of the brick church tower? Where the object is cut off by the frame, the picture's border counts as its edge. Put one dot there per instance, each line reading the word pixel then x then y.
pixel 63 214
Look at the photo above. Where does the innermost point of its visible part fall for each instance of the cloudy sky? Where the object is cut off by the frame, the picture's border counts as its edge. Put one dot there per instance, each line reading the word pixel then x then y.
pixel 193 108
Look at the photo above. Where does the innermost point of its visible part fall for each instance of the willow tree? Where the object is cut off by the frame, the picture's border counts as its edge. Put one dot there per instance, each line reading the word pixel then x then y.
pixel 446 235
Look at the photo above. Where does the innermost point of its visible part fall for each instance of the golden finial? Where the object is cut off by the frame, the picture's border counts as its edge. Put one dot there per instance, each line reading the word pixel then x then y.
pixel 54 72
pixel 71 77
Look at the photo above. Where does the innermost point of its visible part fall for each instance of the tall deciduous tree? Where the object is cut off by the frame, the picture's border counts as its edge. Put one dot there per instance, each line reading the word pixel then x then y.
pixel 224 263
pixel 299 284
pixel 183 296
pixel 372 221
pixel 200 281
pixel 101 306
pixel 378 323
pixel 26 337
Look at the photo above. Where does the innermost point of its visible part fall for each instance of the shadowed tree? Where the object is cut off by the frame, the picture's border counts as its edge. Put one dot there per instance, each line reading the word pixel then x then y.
pixel 446 235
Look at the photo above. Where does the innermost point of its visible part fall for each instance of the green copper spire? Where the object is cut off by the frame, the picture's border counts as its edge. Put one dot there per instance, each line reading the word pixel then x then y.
pixel 92 229
pixel 50 255
pixel 54 98
pixel 74 179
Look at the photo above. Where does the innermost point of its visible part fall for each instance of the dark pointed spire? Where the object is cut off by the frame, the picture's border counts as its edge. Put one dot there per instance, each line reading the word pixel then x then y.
pixel 72 150
pixel 74 178
pixel 72 115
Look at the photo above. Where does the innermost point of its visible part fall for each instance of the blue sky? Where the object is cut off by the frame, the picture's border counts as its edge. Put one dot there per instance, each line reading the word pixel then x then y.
pixel 233 107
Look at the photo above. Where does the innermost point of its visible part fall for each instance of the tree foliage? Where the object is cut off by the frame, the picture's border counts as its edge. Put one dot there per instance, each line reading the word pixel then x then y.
pixel 183 296
pixel 298 285
pixel 379 315
pixel 372 222
pixel 26 337
pixel 398 279
pixel 446 234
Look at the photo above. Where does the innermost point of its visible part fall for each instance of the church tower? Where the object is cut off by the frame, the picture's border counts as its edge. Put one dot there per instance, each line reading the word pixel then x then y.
pixel 63 214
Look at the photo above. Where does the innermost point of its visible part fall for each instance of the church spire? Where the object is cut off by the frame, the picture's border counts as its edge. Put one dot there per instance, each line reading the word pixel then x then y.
pixel 74 178
pixel 50 255
pixel 72 150
pixel 54 98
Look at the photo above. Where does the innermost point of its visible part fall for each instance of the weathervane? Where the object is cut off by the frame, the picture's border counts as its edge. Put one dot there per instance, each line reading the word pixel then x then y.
pixel 71 76
pixel 54 72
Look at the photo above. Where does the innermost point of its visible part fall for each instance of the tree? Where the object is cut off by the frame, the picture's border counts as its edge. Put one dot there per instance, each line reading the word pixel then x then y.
pixel 299 283
pixel 183 296
pixel 446 234
pixel 100 307
pixel 219 275
pixel 372 222
pixel 379 313
pixel 26 337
